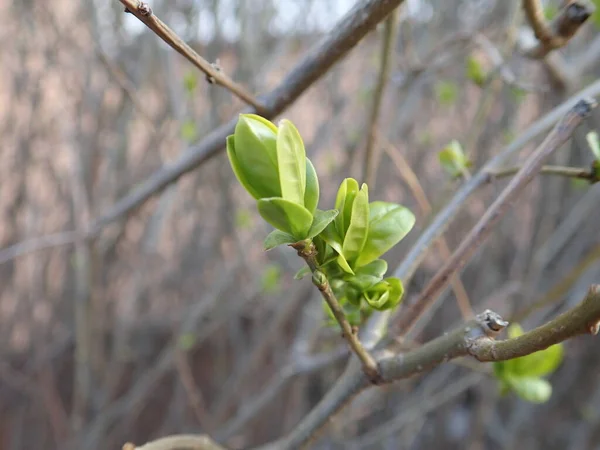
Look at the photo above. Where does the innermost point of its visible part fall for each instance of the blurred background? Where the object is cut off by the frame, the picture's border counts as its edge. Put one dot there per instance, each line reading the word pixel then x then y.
pixel 174 320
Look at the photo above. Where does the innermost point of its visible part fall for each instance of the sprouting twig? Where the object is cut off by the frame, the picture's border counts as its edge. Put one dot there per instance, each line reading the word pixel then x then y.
pixel 559 135
pixel 475 338
pixel 372 153
pixel 308 252
pixel 345 35
pixel 556 34
pixel 144 13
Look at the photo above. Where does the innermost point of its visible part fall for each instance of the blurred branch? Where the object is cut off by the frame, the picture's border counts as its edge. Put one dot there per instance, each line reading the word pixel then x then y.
pixel 556 34
pixel 344 36
pixel 144 13
pixel 411 179
pixel 372 153
pixel 478 234
pixel 569 172
pixel 35 244
pixel 473 338
pixel 178 442
pixel 308 252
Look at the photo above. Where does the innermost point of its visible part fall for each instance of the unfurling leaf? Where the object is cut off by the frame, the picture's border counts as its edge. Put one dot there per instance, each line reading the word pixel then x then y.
pixel 320 221
pixel 475 71
pixel 311 193
pixel 276 238
pixel 358 228
pixel 453 159
pixel 286 216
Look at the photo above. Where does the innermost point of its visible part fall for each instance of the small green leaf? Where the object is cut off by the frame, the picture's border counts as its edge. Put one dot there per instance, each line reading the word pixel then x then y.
pixel 594 143
pixel 311 194
pixel 188 130
pixel 286 216
pixel 550 11
pixel 388 224
pixel 596 14
pixel 453 159
pixel 320 220
pixel 271 278
pixel 531 389
pixel 343 203
pixel 446 93
pixel 385 295
pixel 358 229
pixel 475 71
pixel 190 81
pixel 305 270
pixel 291 162
pixel 276 238
pixel 367 276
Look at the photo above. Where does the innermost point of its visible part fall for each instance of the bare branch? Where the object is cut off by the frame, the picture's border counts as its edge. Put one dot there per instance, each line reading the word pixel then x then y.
pixel 569 172
pixel 478 234
pixel 556 34
pixel 144 13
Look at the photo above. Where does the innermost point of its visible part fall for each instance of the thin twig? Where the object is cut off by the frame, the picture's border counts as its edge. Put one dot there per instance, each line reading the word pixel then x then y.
pixel 569 172
pixel 144 13
pixel 308 252
pixel 372 152
pixel 556 34
pixel 478 234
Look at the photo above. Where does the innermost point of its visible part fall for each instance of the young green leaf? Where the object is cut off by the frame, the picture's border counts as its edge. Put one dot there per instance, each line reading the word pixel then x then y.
pixel 188 130
pixel 366 276
pixel 388 224
pixel 384 295
pixel 291 162
pixel 534 390
pixel 594 143
pixel 446 92
pixel 276 238
pixel 311 193
pixel 190 81
pixel 343 203
pixel 320 220
pixel 453 159
pixel 475 71
pixel 286 216
pixel 356 234
pixel 255 149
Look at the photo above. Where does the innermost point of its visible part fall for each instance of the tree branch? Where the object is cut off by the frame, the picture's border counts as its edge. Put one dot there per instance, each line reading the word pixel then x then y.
pixel 556 34
pixel 345 35
pixel 144 13
pixel 478 234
